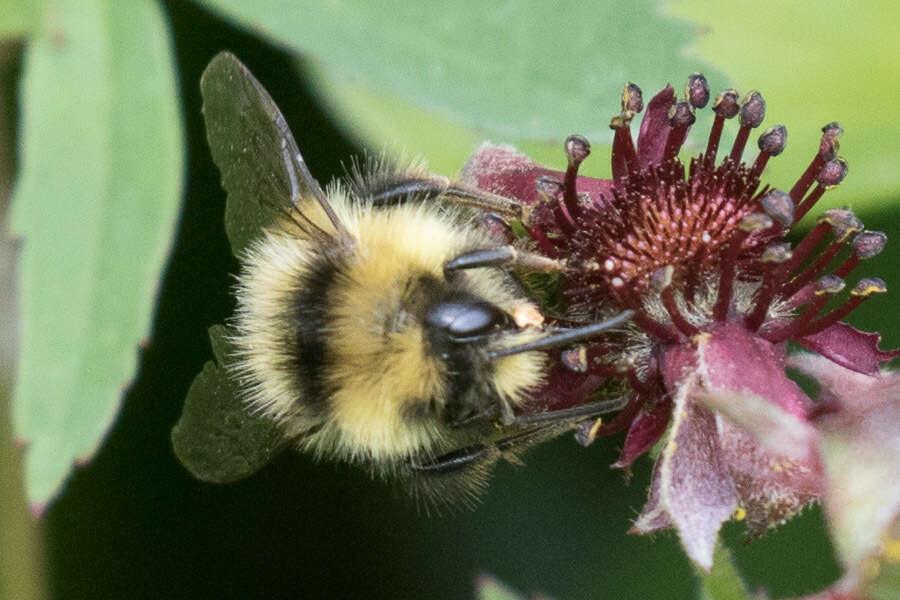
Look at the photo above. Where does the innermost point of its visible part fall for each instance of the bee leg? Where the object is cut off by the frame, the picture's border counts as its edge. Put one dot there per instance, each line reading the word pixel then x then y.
pixel 427 188
pixel 458 460
pixel 574 414
pixel 469 456
pixel 486 201
pixel 504 256
pixel 566 337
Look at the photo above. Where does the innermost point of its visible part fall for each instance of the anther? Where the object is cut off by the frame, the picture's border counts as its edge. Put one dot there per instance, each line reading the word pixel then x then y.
pixel 866 244
pixel 828 147
pixel 632 99
pixel 776 252
pixel 696 90
pixel 830 143
pixel 831 175
pixel 575 359
pixel 842 221
pixel 726 104
pixel 751 115
pixel 779 206
pixel 771 143
pixel 862 291
pixel 843 227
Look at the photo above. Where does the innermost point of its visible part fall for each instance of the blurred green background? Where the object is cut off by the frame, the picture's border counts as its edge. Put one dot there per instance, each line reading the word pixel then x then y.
pixel 132 523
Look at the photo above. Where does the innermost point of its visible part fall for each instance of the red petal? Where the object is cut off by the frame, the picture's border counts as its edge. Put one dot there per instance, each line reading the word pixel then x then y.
pixel 849 347
pixel 655 128
pixel 564 387
pixel 693 489
pixel 505 171
pixel 770 488
pixel 646 429
pixel 737 361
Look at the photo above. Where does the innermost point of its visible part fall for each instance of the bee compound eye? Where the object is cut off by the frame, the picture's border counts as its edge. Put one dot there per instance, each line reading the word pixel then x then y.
pixel 466 318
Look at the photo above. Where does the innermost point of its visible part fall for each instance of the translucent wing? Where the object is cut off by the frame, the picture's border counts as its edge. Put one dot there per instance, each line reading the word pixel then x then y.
pixel 262 168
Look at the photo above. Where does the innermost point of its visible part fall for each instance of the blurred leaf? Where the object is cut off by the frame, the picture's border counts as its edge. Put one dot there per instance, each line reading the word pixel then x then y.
pixel 723 582
pixel 521 70
pixel 488 588
pixel 837 61
pixel 17 17
pixel 100 184
pixel 383 122
pixel 217 439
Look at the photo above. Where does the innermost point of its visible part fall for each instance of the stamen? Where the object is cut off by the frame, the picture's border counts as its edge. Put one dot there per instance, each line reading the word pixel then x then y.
pixel 550 189
pixel 662 283
pixel 624 155
pixel 866 244
pixel 836 220
pixel 752 113
pixel 843 225
pixel 831 175
pixel 681 117
pixel 650 325
pixel 749 224
pixel 861 292
pixel 726 107
pixel 577 149
pixel 779 253
pixel 828 147
pixel 540 238
pixel 771 143
pixel 826 287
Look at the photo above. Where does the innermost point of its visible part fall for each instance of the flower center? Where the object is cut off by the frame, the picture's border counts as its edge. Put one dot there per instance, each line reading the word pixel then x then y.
pixel 689 251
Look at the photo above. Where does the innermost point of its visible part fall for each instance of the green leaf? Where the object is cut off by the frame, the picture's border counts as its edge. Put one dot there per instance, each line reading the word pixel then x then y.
pixel 217 439
pixel 834 62
pixel 520 70
pixel 101 179
pixel 18 17
pixel 723 582
pixel 487 587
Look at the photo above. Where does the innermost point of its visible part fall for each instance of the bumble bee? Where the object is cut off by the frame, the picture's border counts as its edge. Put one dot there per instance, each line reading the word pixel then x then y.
pixel 375 324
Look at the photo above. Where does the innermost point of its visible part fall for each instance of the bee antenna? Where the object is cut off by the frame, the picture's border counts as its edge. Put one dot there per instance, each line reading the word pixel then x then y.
pixel 567 337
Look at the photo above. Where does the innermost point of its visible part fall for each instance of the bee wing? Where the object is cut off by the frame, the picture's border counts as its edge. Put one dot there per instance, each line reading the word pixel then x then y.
pixel 262 168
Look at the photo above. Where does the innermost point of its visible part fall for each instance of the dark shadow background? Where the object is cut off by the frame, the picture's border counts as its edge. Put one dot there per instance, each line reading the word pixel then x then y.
pixel 134 524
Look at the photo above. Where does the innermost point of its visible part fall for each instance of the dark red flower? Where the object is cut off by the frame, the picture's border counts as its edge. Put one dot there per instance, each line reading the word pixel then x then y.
pixel 699 252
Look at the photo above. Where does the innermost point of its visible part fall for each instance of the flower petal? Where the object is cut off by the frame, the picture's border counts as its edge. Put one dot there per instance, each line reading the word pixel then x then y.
pixel 503 170
pixel 691 488
pixel 849 347
pixel 655 128
pixel 564 387
pixel 861 451
pixel 646 428
pixel 735 361
pixel 771 488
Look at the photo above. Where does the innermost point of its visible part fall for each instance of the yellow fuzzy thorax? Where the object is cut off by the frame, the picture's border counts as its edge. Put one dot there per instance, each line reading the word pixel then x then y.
pixel 379 361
